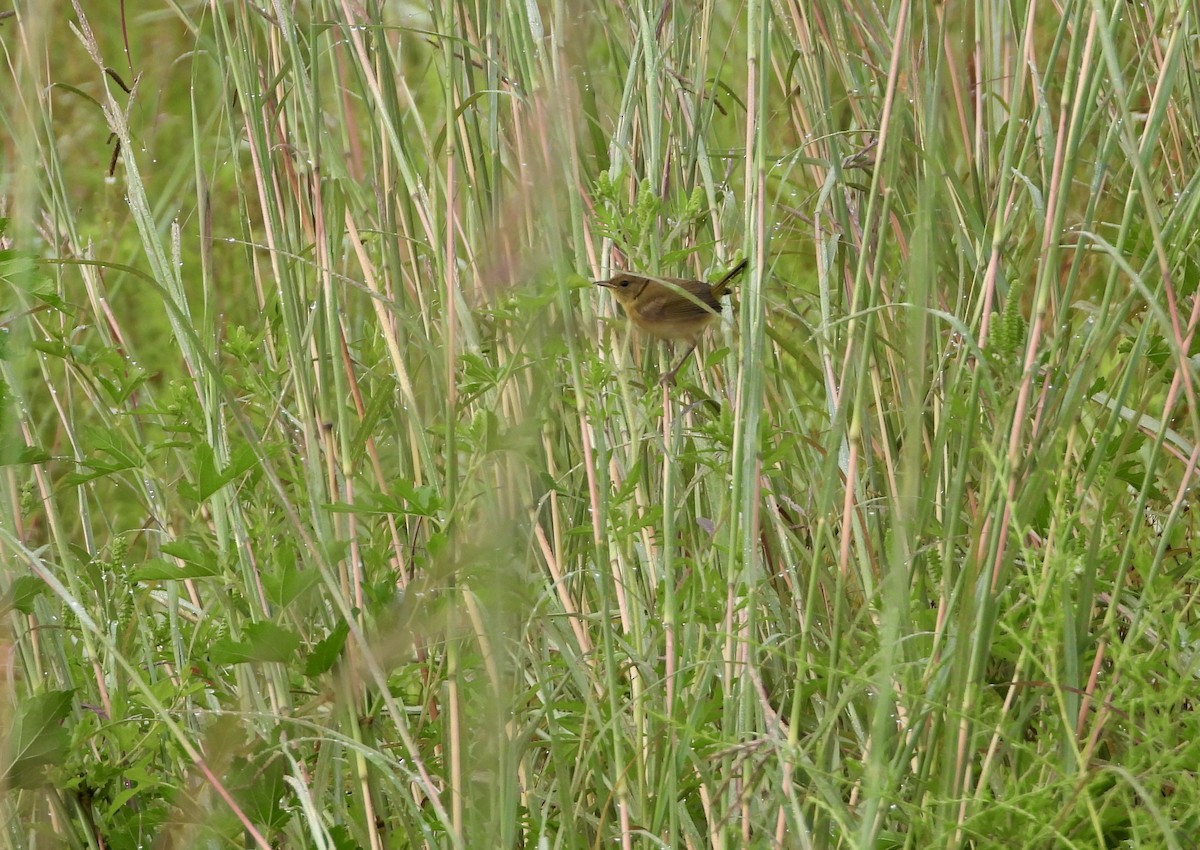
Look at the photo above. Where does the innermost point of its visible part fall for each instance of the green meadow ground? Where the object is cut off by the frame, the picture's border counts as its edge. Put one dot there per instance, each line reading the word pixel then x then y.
pixel 339 510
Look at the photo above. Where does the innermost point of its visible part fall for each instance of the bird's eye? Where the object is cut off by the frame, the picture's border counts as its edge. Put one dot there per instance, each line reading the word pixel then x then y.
pixel 624 283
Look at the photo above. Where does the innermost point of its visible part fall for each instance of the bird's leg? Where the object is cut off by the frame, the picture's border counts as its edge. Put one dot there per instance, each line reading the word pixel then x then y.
pixel 668 378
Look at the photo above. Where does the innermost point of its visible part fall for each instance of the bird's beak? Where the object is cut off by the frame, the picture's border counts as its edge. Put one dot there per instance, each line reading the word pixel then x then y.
pixel 604 283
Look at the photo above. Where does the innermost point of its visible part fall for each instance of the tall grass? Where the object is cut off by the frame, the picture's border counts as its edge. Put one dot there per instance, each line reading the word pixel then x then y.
pixel 340 510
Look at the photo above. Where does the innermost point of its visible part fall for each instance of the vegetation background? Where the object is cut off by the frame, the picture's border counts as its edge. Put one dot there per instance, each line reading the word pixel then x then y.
pixel 340 511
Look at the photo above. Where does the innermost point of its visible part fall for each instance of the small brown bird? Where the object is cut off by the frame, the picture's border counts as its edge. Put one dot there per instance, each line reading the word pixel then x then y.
pixel 671 307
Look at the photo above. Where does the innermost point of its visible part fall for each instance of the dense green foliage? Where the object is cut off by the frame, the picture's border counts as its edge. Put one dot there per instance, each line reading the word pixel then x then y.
pixel 339 510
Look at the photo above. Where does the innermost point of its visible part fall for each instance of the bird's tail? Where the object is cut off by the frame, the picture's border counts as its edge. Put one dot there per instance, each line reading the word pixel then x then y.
pixel 722 285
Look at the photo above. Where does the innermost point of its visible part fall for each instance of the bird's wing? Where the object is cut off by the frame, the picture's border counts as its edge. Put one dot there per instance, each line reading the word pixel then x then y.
pixel 669 305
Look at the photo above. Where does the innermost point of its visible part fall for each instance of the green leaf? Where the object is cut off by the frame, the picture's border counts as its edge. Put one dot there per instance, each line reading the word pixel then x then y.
pixel 105 455
pixel 156 569
pixel 285 583
pixel 197 564
pixel 326 652
pixel 342 839
pixel 423 501
pixel 21 594
pixel 38 739
pixel 261 790
pixel 184 551
pixel 32 455
pixel 20 269
pixel 210 478
pixel 418 501
pixel 264 642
